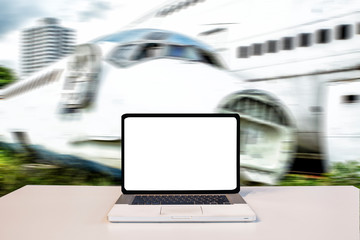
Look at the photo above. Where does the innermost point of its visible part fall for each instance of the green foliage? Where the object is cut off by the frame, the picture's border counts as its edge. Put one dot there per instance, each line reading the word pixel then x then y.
pixel 6 76
pixel 347 173
pixel 17 170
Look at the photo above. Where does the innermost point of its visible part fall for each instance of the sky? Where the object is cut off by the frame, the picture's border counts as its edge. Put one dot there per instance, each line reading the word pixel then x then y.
pixel 94 18
pixel 90 19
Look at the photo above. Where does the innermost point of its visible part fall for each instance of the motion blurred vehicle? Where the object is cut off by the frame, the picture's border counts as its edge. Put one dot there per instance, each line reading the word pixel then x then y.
pixel 69 113
pixel 302 57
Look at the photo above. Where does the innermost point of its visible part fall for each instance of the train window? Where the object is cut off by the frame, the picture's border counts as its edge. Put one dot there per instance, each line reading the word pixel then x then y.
pixel 123 52
pixel 288 43
pixel 350 98
pixel 243 52
pixel 305 39
pixel 257 49
pixel 323 36
pixel 149 50
pixel 192 54
pixel 358 28
pixel 272 46
pixel 208 58
pixel 176 51
pixel 344 32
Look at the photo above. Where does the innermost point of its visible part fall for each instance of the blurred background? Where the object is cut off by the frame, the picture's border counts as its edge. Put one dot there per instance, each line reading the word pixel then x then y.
pixel 69 70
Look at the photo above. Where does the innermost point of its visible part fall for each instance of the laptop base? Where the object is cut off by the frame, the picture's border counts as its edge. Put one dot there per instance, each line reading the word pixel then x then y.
pixel 181 213
pixel 237 211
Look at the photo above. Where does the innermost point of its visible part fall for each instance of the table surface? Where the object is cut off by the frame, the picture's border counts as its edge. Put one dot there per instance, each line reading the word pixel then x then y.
pixel 80 212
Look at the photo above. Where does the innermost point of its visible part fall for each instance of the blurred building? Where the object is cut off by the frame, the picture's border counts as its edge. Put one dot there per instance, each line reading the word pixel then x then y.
pixel 44 44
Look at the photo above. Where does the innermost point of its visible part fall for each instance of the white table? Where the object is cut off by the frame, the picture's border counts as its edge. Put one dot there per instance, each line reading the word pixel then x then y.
pixel 79 212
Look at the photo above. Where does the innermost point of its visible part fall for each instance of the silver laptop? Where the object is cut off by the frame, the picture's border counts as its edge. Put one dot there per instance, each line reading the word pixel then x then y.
pixel 181 168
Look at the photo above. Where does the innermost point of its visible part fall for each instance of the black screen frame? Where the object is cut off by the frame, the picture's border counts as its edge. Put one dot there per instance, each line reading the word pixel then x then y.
pixel 177 115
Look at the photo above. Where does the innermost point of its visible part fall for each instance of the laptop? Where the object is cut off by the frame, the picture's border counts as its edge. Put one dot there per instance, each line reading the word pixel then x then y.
pixel 181 168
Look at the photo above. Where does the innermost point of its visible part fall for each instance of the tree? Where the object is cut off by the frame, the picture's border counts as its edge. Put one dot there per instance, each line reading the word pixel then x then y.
pixel 6 76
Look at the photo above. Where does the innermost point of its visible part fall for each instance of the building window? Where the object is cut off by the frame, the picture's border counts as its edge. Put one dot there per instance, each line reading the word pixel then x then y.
pixel 288 43
pixel 344 32
pixel 272 46
pixel 257 49
pixel 323 36
pixel 243 52
pixel 305 39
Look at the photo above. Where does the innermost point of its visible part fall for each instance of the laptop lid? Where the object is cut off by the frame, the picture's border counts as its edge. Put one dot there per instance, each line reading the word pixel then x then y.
pixel 180 153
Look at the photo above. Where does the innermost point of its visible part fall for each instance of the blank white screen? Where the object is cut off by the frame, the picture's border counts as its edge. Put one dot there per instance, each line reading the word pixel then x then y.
pixel 180 153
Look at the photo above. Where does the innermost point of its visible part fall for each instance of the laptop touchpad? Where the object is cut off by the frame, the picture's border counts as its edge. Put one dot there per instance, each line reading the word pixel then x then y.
pixel 181 210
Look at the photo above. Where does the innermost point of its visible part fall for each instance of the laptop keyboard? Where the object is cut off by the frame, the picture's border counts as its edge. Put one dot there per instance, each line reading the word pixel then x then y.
pixel 179 199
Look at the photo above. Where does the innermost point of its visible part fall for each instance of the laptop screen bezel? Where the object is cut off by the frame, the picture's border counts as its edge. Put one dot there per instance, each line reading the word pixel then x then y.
pixel 205 115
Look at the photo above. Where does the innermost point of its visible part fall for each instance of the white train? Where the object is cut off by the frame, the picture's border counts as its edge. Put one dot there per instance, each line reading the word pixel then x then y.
pixel 70 112
pixel 288 67
pixel 302 56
